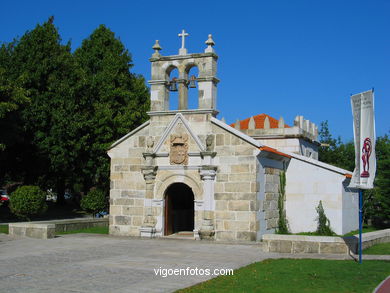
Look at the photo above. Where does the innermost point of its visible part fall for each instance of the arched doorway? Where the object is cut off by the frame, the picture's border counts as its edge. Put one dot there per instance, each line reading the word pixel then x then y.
pixel 179 209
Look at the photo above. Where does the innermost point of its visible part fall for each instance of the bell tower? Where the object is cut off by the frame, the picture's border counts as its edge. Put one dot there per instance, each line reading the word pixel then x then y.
pixel 162 83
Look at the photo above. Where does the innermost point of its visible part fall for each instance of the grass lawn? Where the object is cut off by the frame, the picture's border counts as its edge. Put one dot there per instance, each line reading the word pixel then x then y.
pixel 96 230
pixel 381 249
pixel 300 275
pixel 364 230
pixel 4 229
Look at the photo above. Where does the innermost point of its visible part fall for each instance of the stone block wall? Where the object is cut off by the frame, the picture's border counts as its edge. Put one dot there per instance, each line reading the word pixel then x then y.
pixel 236 187
pixel 271 196
pixel 268 214
pixel 127 193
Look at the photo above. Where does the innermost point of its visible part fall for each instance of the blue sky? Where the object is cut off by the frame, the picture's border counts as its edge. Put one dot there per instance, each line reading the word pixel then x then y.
pixel 283 58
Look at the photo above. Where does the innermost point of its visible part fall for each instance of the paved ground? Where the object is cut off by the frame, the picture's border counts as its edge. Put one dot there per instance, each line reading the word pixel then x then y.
pixel 100 263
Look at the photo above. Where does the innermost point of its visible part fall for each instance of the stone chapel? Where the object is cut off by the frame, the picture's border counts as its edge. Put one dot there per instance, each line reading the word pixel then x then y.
pixel 185 172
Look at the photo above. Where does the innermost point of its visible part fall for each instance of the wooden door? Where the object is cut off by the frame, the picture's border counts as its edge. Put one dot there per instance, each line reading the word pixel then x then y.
pixel 168 215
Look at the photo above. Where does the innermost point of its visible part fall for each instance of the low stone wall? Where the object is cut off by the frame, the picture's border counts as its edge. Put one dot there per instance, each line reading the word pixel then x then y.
pixel 82 223
pixel 372 238
pixel 322 244
pixel 48 229
pixel 33 230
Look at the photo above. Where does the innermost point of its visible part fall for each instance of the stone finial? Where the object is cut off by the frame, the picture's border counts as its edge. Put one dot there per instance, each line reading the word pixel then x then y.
pixel 251 124
pixel 156 47
pixel 210 43
pixel 281 122
pixel 266 123
pixel 223 120
pixel 237 125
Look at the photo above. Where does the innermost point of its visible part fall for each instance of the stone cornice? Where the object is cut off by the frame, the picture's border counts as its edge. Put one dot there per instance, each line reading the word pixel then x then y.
pixel 174 112
pixel 183 57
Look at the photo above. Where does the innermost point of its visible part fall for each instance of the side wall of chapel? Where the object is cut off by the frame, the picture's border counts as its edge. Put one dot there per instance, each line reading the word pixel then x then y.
pixel 127 192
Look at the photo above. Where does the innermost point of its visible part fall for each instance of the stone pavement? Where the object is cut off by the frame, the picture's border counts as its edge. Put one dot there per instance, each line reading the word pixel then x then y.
pixel 101 263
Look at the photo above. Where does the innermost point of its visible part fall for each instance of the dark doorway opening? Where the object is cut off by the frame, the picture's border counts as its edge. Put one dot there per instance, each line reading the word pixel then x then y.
pixel 179 209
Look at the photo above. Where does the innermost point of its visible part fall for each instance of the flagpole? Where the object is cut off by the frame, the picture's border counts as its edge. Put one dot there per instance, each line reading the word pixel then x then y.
pixel 360 223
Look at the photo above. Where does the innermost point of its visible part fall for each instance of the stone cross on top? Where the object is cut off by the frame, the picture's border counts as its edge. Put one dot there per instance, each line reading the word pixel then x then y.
pixel 183 50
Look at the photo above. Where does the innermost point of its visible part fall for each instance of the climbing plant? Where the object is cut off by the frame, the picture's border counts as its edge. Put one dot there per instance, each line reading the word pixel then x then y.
pixel 282 222
pixel 323 227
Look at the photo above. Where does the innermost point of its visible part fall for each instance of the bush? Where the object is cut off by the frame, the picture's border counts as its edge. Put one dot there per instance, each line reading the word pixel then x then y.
pixel 323 227
pixel 94 201
pixel 27 201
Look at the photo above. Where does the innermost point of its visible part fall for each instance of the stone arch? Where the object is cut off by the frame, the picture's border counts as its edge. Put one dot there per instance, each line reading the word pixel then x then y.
pixel 171 98
pixel 168 68
pixel 165 182
pixel 192 69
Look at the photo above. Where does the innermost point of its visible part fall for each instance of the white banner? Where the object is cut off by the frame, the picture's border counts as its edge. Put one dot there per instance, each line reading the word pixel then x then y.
pixel 364 134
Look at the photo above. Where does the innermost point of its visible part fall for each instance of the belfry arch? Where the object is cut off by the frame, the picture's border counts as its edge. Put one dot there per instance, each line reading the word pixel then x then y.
pixel 172 98
pixel 162 83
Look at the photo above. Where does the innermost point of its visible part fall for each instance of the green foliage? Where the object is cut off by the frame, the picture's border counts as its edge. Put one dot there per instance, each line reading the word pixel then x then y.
pixel 323 226
pixel 12 97
pixel 28 201
pixel 377 200
pixel 115 100
pixel 333 151
pixel 60 111
pixel 282 221
pixel 94 201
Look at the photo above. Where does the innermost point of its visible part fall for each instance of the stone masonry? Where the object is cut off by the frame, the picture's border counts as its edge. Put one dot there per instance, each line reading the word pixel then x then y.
pixel 186 172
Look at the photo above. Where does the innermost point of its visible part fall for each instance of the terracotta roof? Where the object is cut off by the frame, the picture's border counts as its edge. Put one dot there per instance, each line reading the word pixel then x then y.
pixel 275 151
pixel 259 122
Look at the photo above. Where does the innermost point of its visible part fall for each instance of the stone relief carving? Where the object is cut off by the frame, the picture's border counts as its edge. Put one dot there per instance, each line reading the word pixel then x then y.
pixel 149 144
pixel 179 149
pixel 209 142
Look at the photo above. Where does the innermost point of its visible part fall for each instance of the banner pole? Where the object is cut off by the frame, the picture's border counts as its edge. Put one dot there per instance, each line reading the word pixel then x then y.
pixel 360 223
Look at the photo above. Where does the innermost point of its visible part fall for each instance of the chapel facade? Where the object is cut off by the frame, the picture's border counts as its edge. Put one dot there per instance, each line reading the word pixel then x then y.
pixel 185 172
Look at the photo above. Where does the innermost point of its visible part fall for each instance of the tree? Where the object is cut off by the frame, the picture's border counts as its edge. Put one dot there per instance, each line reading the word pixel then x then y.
pixel 78 105
pixel 115 101
pixel 12 97
pixel 334 151
pixel 46 151
pixel 377 203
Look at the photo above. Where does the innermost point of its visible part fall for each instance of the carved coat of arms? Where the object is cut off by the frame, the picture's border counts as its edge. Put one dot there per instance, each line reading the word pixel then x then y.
pixel 179 149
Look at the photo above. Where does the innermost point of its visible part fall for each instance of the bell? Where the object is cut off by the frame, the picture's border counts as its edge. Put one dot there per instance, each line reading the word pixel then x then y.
pixel 193 82
pixel 173 85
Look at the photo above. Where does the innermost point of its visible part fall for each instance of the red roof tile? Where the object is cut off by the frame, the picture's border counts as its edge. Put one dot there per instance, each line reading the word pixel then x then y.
pixel 259 122
pixel 275 151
